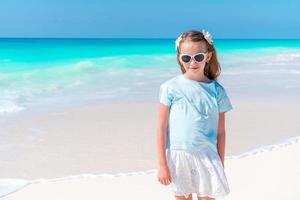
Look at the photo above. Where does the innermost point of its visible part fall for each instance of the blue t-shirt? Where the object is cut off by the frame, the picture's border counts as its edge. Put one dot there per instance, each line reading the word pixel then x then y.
pixel 194 112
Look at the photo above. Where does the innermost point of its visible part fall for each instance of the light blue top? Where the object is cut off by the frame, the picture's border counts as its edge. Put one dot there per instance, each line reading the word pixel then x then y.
pixel 194 112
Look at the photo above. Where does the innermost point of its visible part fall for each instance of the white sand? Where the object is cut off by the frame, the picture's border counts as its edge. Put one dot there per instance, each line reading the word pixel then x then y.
pixel 120 137
pixel 271 172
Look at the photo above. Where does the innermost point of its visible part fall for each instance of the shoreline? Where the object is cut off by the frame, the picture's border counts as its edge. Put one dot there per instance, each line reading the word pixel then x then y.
pixel 263 150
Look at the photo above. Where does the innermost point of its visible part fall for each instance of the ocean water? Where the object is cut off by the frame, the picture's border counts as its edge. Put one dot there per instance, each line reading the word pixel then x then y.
pixel 44 73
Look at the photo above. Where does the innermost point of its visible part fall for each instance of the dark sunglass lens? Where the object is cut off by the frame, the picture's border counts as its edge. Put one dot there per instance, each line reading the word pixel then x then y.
pixel 185 58
pixel 199 57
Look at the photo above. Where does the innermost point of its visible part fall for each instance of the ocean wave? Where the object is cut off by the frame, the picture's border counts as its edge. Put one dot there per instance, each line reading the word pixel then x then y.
pixel 8 186
pixel 5 60
pixel 267 148
pixel 85 65
pixel 261 71
pixel 291 57
pixel 51 81
pixel 240 59
pixel 7 107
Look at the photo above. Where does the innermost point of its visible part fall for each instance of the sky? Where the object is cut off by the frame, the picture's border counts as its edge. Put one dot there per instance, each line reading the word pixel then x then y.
pixel 149 18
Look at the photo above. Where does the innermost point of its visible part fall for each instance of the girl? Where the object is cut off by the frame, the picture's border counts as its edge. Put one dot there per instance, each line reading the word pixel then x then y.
pixel 191 125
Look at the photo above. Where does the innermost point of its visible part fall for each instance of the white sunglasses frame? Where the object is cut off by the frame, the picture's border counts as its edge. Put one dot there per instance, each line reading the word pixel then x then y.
pixel 193 56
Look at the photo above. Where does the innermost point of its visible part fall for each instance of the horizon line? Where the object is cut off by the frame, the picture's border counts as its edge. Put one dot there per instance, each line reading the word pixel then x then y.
pixel 143 38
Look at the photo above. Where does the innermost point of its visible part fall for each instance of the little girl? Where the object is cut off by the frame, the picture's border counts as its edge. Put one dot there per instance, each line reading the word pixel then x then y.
pixel 191 125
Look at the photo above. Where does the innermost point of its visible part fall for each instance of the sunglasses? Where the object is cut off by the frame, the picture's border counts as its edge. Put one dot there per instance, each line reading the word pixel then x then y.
pixel 199 57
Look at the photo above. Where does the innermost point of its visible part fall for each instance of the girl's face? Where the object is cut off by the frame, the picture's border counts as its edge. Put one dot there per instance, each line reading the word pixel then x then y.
pixel 192 48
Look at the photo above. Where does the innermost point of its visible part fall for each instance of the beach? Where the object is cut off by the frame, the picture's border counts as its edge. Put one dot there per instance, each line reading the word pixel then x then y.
pixel 278 165
pixel 254 174
pixel 81 128
pixel 119 137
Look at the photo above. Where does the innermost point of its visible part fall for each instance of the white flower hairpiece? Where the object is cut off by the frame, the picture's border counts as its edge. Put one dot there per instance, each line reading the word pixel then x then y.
pixel 206 34
pixel 178 41
pixel 207 37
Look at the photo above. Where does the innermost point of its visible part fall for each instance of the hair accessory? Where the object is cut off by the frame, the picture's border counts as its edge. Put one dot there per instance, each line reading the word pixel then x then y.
pixel 178 41
pixel 207 36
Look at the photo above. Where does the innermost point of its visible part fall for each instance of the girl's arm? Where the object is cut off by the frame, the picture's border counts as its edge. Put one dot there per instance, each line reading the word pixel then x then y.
pixel 163 116
pixel 164 176
pixel 221 136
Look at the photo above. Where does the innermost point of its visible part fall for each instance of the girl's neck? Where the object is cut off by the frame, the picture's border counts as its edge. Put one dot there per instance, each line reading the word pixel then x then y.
pixel 197 77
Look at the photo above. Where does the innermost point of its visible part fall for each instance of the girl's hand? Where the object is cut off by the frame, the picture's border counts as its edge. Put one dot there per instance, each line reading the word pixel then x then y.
pixel 164 176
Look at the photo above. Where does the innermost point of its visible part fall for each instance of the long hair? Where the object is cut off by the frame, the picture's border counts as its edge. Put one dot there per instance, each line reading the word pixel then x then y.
pixel 212 69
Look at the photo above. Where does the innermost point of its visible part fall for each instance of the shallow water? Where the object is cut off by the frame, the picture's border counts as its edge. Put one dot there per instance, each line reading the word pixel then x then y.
pixel 39 73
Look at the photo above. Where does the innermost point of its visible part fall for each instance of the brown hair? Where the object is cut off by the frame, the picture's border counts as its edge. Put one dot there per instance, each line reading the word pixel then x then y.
pixel 212 69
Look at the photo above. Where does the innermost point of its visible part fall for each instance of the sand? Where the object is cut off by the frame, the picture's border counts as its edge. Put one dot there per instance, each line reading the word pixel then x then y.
pixel 119 137
pixel 271 172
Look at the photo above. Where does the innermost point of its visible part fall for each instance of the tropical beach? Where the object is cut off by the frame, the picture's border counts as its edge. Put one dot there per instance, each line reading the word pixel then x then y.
pixel 80 98
pixel 77 125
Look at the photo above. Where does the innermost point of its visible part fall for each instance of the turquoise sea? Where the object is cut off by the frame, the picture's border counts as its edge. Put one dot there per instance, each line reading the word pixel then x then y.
pixel 44 73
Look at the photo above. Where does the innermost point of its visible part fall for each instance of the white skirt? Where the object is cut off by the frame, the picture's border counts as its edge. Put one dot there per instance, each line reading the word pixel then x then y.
pixel 199 172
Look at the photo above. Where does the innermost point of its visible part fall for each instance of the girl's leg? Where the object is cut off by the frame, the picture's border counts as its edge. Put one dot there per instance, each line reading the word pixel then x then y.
pixel 183 197
pixel 205 198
